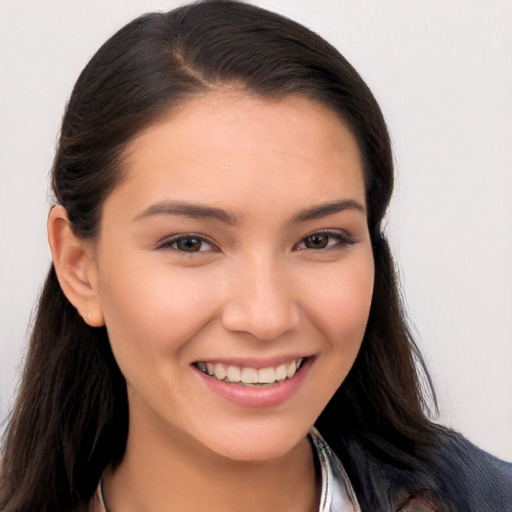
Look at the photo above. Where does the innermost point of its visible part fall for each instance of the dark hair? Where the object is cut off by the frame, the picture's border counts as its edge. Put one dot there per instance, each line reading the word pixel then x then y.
pixel 71 416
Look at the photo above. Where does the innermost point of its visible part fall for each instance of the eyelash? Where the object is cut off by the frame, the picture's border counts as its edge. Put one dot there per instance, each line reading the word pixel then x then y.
pixel 340 238
pixel 171 243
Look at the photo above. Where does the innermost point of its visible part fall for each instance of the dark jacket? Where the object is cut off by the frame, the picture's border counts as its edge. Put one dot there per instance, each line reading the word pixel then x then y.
pixel 463 479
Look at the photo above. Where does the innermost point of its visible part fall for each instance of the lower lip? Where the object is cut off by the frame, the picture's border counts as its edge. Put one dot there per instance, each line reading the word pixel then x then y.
pixel 257 396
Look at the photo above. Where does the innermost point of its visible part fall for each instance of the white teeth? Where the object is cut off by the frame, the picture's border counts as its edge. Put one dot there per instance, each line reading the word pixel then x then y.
pixel 266 376
pixel 250 376
pixel 219 371
pixel 290 372
pixel 234 374
pixel 281 372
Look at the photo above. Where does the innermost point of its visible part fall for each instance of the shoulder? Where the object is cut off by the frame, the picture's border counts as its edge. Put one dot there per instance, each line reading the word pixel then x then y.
pixel 485 479
pixel 463 477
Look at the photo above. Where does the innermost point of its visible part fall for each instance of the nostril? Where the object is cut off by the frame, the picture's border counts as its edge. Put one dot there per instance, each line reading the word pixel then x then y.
pixel 264 324
pixel 260 301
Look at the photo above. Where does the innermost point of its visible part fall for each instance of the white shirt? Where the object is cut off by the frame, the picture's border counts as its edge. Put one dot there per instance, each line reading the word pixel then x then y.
pixel 337 494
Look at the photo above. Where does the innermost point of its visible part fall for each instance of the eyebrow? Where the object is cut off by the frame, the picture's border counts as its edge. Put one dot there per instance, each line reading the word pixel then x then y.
pixel 187 209
pixel 322 210
pixel 201 211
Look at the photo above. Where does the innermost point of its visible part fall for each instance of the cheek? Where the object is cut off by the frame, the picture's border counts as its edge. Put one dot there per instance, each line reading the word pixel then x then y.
pixel 338 310
pixel 153 309
pixel 342 305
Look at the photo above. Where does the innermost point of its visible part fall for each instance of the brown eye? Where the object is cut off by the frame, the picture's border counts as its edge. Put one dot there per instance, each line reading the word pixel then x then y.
pixel 324 240
pixel 316 241
pixel 190 244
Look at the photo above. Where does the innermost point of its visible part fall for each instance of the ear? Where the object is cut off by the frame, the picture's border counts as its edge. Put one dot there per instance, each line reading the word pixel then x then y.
pixel 75 265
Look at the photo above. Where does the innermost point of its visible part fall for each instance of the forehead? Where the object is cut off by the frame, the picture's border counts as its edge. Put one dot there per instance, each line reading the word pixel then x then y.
pixel 232 143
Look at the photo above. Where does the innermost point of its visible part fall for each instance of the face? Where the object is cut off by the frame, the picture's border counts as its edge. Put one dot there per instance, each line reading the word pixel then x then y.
pixel 235 271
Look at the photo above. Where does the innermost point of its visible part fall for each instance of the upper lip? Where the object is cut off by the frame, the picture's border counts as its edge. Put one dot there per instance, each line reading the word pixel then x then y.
pixel 254 362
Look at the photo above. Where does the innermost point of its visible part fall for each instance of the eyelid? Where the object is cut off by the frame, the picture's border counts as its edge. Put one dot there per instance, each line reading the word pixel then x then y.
pixel 167 242
pixel 341 236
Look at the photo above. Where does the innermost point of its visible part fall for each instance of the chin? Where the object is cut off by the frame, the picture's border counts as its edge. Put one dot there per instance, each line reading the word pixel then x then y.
pixel 255 453
pixel 249 444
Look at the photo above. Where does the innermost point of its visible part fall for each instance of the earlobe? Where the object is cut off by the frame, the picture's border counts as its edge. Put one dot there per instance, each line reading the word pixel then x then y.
pixel 75 265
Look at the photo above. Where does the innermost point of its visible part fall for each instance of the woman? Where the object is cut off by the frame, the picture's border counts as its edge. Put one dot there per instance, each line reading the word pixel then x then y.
pixel 221 284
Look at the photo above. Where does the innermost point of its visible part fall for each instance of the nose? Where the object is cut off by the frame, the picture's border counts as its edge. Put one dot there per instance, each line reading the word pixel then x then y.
pixel 260 301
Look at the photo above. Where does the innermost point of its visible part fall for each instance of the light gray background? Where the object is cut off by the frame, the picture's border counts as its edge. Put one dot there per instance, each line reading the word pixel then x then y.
pixel 442 71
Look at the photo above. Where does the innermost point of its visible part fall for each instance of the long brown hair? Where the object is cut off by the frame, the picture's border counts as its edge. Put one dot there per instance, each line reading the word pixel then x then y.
pixel 71 416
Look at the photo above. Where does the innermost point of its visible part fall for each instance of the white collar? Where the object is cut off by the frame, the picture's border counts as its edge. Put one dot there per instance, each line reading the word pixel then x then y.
pixel 337 494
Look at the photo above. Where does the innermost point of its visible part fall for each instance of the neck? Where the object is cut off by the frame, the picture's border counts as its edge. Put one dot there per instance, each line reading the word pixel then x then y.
pixel 179 474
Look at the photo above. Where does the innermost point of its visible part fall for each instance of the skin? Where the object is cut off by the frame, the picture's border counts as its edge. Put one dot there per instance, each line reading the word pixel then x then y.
pixel 257 288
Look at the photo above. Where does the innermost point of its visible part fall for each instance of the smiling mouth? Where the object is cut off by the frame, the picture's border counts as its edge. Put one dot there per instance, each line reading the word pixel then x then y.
pixel 249 376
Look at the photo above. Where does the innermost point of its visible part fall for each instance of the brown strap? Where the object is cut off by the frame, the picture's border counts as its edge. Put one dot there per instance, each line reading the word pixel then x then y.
pixel 417 504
